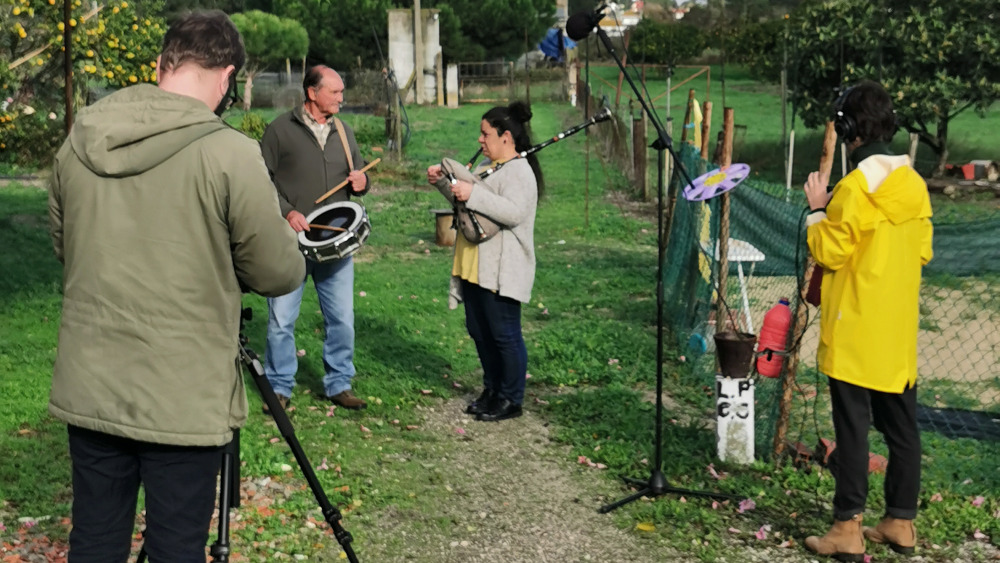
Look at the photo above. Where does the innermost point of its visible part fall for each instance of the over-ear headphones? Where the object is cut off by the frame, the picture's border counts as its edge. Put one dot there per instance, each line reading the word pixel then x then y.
pixel 845 125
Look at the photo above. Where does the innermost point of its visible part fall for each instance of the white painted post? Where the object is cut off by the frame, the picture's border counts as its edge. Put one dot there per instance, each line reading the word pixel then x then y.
pixel 452 85
pixel 734 413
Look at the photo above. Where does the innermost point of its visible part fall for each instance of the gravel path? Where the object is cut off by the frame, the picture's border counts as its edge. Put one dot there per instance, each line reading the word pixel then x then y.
pixel 516 496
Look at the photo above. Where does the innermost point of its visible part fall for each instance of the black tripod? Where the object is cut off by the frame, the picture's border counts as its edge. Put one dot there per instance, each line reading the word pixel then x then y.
pixel 229 478
pixel 657 484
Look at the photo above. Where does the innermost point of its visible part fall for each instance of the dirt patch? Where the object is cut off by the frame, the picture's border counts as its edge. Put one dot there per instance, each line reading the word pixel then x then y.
pixel 28 181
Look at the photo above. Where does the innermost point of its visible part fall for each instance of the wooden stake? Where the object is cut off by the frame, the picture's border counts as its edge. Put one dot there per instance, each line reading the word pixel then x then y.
pixel 706 128
pixel 788 382
pixel 687 116
pixel 725 160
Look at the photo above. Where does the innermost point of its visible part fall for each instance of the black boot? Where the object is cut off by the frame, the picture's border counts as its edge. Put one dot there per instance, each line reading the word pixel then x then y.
pixel 500 409
pixel 481 404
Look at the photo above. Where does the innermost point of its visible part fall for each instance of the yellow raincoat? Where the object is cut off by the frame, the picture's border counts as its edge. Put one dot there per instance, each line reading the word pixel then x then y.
pixel 872 241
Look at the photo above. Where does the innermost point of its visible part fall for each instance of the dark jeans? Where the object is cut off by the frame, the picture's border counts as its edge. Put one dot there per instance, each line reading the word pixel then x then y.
pixel 895 416
pixel 494 323
pixel 180 497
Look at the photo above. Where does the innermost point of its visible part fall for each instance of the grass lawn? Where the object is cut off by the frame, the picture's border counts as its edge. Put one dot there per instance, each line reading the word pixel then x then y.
pixel 590 329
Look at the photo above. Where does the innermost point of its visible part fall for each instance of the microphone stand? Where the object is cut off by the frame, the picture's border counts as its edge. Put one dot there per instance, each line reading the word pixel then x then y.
pixel 656 485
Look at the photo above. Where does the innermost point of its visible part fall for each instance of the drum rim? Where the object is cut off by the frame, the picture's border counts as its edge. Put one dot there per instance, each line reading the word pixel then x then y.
pixel 359 218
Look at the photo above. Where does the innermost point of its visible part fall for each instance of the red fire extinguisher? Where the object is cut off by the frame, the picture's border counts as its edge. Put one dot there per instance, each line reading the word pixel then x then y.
pixel 773 335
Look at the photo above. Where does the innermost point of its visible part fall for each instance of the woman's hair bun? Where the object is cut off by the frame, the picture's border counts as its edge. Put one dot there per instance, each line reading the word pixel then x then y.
pixel 519 111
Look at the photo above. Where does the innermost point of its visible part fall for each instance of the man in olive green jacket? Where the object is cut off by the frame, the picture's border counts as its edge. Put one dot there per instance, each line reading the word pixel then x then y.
pixel 162 215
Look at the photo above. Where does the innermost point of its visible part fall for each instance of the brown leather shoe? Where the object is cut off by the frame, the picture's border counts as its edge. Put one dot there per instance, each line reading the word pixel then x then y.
pixel 899 534
pixel 282 400
pixel 347 400
pixel 844 541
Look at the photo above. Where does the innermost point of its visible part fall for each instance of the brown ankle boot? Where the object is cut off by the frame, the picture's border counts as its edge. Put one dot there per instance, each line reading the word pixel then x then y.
pixel 899 534
pixel 844 541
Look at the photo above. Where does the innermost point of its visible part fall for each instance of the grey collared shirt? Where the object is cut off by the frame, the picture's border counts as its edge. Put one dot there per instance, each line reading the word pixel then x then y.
pixel 320 130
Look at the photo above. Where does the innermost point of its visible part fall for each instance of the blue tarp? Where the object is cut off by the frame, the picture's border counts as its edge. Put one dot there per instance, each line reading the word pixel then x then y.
pixel 555 44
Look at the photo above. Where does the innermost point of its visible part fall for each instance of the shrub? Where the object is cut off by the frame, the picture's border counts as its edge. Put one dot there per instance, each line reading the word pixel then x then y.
pixel 253 125
pixel 30 137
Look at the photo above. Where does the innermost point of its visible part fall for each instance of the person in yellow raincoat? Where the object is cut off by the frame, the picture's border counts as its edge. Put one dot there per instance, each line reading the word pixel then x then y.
pixel 871 234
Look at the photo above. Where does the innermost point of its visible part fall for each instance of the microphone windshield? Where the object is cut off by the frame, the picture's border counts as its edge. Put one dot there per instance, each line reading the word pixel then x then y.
pixel 579 26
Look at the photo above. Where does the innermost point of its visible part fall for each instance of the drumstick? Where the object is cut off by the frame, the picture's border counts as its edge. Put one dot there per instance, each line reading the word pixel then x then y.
pixel 344 183
pixel 326 228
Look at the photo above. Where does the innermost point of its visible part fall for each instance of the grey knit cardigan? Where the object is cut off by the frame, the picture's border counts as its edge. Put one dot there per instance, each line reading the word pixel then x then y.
pixel 507 261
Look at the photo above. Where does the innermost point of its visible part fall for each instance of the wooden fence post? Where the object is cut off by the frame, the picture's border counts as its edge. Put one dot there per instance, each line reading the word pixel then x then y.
pixel 725 160
pixel 706 128
pixel 688 116
pixel 639 153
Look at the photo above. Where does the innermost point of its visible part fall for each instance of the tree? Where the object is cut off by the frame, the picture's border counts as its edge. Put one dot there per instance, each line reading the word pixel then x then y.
pixel 496 28
pixel 342 31
pixel 665 43
pixel 175 7
pixel 114 45
pixel 339 31
pixel 937 58
pixel 269 40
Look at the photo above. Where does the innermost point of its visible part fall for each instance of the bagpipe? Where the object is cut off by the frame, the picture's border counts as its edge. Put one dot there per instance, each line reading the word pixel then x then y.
pixel 476 227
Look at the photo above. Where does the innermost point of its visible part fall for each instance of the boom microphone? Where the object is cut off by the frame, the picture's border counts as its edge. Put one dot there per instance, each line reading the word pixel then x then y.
pixel 579 25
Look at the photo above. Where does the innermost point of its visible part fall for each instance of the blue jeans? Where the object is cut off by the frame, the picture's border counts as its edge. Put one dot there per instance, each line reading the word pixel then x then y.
pixel 334 283
pixel 494 323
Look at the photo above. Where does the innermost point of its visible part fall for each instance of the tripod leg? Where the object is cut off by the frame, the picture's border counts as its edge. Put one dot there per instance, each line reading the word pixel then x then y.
pixel 229 479
pixel 635 496
pixel 330 512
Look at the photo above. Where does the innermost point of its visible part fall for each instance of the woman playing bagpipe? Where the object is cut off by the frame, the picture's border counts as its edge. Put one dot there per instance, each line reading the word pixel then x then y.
pixel 493 275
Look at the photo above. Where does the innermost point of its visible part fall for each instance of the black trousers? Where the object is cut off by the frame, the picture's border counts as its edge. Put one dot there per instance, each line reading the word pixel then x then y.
pixel 895 416
pixel 180 497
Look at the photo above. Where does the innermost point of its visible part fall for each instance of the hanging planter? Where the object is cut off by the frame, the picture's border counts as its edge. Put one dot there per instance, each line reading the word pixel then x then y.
pixel 735 351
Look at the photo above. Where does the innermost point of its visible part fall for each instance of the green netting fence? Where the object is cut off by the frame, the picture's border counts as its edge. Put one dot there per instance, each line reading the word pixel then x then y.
pixel 959 334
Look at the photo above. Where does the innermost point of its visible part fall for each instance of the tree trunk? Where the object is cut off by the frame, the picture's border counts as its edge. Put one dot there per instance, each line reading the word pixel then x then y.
pixel 942 142
pixel 248 92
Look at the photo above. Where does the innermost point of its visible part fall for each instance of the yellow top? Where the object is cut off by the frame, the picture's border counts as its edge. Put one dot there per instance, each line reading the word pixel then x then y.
pixel 872 240
pixel 466 265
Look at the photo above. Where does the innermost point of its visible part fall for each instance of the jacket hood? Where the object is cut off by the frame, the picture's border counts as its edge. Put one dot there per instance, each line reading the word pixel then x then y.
pixel 137 128
pixel 895 188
